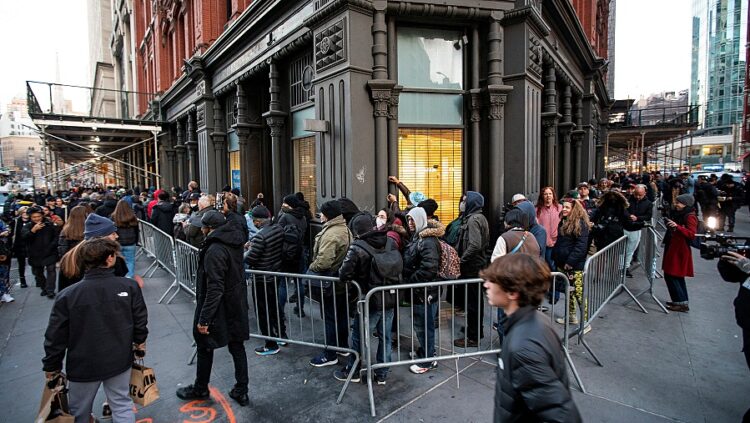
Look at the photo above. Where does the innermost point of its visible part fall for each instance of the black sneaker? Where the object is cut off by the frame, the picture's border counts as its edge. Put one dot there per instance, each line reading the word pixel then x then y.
pixel 628 274
pixel 342 374
pixel 191 392
pixel 241 397
pixel 23 284
pixel 298 313
pixel 292 298
pixel 380 379
pixel 43 293
pixel 51 295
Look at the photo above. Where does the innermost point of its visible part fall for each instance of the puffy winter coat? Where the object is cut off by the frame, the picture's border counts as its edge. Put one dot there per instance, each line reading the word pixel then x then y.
pixel 265 252
pixel 532 379
pixel 221 292
pixel 128 236
pixel 96 323
pixel 422 260
pixel 570 249
pixel 295 217
pixel 41 247
pixel 331 245
pixel 64 245
pixel 473 237
pixel 193 233
pixel 162 215
pixel 238 221
pixel 357 266
pixel 106 209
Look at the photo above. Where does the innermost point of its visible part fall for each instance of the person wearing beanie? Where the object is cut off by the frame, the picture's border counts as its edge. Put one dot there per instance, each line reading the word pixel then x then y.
pixel 41 237
pixel 430 206
pixel 329 251
pixel 421 264
pixel 677 261
pixel 294 218
pixel 473 239
pixel 98 227
pixel 348 209
pixel 265 255
pixel 221 312
pixel 371 244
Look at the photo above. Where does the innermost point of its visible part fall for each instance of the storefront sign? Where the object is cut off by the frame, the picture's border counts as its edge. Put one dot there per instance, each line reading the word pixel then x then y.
pixel 713 168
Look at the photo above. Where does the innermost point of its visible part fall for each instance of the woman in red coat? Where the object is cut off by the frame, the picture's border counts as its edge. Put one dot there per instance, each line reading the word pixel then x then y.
pixel 678 259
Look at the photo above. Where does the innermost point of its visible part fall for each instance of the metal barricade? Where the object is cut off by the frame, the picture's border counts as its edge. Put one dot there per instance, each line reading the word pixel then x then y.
pixel 417 325
pixel 162 247
pixel 648 252
pixel 603 279
pixel 146 241
pixel 270 293
pixel 186 268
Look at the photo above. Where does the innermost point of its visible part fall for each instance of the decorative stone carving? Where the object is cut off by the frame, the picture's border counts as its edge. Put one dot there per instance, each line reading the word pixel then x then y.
pixel 535 55
pixel 393 105
pixel 330 46
pixel 200 115
pixel 496 106
pixel 475 105
pixel 381 98
pixel 200 88
pixel 276 124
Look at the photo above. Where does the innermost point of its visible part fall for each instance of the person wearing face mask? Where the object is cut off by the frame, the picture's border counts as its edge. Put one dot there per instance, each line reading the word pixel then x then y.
pixel 221 311
pixel 386 221
pixel 265 254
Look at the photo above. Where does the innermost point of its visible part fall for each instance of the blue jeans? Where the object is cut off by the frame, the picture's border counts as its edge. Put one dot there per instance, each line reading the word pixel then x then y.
pixel 424 319
pixel 334 308
pixel 677 289
pixel 380 323
pixel 548 259
pixel 128 252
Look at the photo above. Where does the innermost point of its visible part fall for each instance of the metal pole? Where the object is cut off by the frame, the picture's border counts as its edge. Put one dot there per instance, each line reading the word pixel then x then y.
pixel 690 153
pixel 643 159
pixel 156 158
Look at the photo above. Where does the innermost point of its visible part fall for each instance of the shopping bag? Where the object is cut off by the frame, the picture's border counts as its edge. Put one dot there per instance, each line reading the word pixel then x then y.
pixel 54 404
pixel 143 389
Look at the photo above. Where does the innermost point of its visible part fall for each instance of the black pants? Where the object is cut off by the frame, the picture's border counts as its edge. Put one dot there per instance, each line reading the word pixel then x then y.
pixel 206 360
pixel 270 317
pixel 474 310
pixel 334 308
pixel 21 267
pixel 47 282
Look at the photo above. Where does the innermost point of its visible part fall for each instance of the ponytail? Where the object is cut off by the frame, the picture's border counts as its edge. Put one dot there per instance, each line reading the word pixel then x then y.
pixel 87 255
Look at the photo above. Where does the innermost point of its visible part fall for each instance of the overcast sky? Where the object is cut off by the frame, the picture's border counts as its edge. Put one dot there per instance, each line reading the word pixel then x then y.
pixel 31 32
pixel 652 45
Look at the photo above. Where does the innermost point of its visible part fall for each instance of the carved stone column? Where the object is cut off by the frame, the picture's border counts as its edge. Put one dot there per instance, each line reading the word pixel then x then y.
pixel 578 135
pixel 275 119
pixel 171 167
pixel 180 151
pixel 219 136
pixel 550 119
pixel 192 148
pixel 566 127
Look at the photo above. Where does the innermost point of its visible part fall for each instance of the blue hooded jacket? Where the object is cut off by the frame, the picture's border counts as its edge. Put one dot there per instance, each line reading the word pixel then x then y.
pixel 534 227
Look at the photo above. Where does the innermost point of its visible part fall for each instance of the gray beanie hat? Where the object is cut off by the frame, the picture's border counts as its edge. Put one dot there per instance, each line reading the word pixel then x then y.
pixel 686 199
pixel 97 226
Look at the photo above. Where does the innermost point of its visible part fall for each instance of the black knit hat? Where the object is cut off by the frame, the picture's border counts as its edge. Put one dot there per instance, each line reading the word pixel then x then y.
pixel 292 201
pixel 348 209
pixel 362 224
pixel 430 206
pixel 331 209
pixel 260 212
pixel 213 219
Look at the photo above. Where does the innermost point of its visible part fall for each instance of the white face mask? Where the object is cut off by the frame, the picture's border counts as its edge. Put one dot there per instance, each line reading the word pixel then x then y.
pixel 462 206
pixel 380 222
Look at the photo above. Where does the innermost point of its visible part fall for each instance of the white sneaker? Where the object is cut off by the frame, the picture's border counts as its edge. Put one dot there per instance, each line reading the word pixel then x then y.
pixel 573 320
pixel 6 298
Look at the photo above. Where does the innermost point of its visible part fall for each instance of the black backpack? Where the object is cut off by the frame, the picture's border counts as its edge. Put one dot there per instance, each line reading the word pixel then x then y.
pixel 292 244
pixel 386 265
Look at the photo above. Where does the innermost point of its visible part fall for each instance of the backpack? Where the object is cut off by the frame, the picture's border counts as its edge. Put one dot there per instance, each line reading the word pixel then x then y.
pixel 291 246
pixel 450 262
pixel 386 266
pixel 453 231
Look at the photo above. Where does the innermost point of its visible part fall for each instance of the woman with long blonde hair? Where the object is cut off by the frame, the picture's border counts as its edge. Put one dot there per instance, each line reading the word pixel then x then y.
pixel 571 250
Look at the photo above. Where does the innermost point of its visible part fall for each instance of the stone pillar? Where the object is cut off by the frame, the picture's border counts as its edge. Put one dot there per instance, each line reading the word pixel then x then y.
pixel 275 119
pixel 550 119
pixel 474 182
pixel 248 129
pixel 566 127
pixel 577 136
pixel 393 107
pixel 380 92
pixel 170 168
pixel 218 137
pixel 180 151
pixel 192 148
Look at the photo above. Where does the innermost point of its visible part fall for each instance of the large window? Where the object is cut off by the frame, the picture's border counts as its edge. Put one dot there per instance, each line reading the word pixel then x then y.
pixel 430 68
pixel 430 162
pixel 304 170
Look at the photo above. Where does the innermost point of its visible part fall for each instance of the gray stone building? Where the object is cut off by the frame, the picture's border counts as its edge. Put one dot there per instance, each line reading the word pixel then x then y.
pixel 330 97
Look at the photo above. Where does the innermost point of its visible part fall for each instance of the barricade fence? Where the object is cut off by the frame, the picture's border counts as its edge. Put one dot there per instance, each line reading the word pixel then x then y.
pixel 648 253
pixel 603 279
pixel 186 267
pixel 161 247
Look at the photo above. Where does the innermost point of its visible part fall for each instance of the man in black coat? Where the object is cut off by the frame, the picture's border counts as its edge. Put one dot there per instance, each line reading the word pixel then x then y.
pixel 641 210
pixel 163 214
pixel 532 378
pixel 221 312
pixel 41 238
pixel 265 254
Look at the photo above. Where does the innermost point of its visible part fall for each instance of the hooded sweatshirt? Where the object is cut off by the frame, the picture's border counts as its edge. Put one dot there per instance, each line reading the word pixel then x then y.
pixel 474 236
pixel 420 219
pixel 534 227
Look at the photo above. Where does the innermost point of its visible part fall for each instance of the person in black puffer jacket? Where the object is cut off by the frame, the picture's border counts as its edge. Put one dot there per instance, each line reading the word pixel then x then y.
pixel 293 213
pixel 358 266
pixel 163 214
pixel 421 264
pixel 233 218
pixel 221 312
pixel 265 254
pixel 611 219
pixel 532 378
pixel 19 245
pixel 106 209
pixel 95 325
pixel 40 236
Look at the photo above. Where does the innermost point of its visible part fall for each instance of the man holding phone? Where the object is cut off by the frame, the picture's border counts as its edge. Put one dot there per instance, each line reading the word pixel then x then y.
pixel 41 236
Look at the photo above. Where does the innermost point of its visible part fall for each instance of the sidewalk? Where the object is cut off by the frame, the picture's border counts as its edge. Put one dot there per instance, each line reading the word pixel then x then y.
pixel 657 367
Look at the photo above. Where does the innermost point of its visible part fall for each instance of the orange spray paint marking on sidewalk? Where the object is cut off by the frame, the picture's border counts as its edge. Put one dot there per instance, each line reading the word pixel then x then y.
pixel 199 412
pixel 224 404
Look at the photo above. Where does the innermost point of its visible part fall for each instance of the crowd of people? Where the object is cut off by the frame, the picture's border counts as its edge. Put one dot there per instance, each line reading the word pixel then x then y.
pixel 91 234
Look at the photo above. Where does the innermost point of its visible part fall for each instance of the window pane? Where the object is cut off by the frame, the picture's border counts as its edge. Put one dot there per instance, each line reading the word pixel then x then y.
pixel 304 170
pixel 430 58
pixel 234 169
pixel 429 161
pixel 430 109
pixel 234 141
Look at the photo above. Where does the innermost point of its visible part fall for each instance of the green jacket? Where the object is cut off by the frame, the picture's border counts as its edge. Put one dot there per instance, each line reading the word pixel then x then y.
pixel 331 245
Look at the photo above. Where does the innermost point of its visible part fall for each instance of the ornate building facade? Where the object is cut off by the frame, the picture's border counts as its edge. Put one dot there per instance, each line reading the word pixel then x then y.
pixel 330 97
